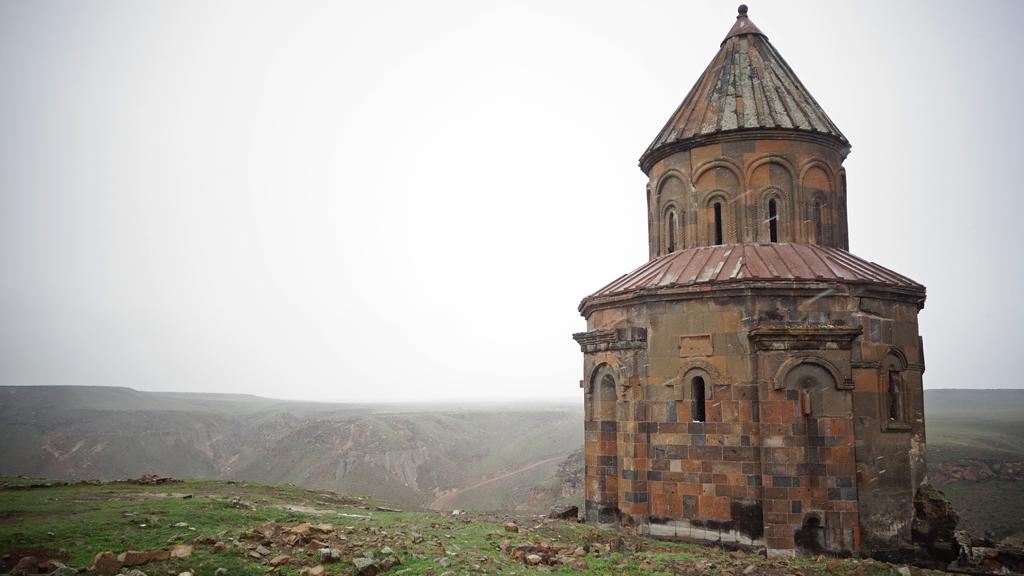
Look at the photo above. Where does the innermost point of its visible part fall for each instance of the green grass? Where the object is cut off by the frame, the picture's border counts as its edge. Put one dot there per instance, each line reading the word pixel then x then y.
pixel 84 520
pixel 995 436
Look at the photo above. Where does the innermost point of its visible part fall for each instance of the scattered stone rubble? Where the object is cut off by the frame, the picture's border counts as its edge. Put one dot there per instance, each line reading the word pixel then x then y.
pixel 144 480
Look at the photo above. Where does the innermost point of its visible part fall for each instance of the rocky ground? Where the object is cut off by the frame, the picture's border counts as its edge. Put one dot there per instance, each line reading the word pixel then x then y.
pixel 157 527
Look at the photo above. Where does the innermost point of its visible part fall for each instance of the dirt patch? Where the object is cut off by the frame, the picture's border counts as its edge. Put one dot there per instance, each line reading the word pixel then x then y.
pixel 12 557
pixel 14 517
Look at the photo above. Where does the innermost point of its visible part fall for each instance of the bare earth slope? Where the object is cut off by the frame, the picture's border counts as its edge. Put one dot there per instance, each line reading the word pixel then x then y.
pixel 401 453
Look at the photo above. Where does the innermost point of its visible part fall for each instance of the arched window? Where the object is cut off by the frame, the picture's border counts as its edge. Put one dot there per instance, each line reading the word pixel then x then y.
pixel 718 223
pixel 697 397
pixel 773 221
pixel 816 207
pixel 672 231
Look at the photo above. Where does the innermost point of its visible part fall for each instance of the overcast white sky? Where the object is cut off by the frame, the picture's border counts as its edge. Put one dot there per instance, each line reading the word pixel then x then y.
pixel 407 200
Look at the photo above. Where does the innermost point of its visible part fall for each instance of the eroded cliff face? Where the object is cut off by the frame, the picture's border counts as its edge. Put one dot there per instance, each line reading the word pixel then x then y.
pixel 407 458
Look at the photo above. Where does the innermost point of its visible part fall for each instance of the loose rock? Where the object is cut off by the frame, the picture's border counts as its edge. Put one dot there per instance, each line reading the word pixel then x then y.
pixel 280 560
pixel 133 558
pixel 105 564
pixel 181 551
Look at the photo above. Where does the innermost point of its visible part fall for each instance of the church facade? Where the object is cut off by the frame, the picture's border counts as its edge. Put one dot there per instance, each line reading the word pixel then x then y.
pixel 754 384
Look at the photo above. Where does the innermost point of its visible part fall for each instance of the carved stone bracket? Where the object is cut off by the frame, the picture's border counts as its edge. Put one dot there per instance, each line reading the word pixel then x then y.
pixel 617 339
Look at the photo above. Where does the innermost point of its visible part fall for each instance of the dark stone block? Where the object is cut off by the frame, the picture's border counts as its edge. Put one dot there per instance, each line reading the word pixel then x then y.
pixel 848 493
pixel 635 496
pixel 747 516
pixel 670 411
pixel 699 440
pixel 835 494
pixel 782 482
pixel 609 426
pixel 630 475
pixel 691 477
pixel 691 507
pixel 706 453
pixel 792 394
pixel 653 475
pixel 695 428
pixel 740 147
pixel 754 480
pixel 803 469
pixel 815 440
pixel 607 460
pixel 797 507
pixel 831 441
pixel 844 482
pixel 745 440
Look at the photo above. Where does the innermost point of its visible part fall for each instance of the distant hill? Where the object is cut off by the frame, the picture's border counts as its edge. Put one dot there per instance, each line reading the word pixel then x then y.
pixel 407 454
pixel 960 401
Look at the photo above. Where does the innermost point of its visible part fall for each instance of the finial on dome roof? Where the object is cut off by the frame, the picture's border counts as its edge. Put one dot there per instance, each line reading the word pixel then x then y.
pixel 743 25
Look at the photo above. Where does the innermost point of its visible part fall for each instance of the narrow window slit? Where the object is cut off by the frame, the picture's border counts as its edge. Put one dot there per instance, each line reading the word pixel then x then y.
pixel 773 219
pixel 718 223
pixel 698 400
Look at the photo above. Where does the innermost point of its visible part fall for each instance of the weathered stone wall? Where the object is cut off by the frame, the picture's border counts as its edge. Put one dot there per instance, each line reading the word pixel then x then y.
pixel 804 178
pixel 796 416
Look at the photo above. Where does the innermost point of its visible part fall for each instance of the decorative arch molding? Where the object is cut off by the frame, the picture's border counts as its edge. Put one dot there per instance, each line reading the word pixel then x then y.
pixel 721 162
pixel 689 368
pixel 894 357
pixel 728 217
pixel 788 366
pixel 601 370
pixel 829 173
pixel 771 158
pixel 671 173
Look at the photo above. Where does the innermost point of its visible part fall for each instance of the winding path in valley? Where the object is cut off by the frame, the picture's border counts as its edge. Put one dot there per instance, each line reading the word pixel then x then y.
pixel 444 501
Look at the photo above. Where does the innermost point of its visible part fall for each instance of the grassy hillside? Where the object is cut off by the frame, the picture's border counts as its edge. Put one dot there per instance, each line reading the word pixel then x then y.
pixel 976 456
pixel 254 529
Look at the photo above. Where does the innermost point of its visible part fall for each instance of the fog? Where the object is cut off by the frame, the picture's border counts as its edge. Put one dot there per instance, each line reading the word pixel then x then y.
pixel 407 200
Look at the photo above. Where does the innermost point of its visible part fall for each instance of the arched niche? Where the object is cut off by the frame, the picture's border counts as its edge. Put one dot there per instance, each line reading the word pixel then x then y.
pixel 818 381
pixel 601 394
pixel 894 409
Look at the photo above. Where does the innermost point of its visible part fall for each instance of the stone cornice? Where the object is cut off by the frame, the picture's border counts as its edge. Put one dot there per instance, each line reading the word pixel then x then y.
pixel 618 339
pixel 780 288
pixel 648 160
pixel 803 337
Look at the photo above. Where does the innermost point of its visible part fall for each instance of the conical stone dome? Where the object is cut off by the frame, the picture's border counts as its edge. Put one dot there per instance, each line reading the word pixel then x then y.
pixel 746 87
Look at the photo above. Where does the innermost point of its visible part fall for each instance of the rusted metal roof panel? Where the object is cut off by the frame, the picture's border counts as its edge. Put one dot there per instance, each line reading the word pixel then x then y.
pixel 747 86
pixel 755 262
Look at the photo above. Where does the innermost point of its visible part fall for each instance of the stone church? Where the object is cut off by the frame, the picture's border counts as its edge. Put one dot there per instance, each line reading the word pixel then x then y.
pixel 754 384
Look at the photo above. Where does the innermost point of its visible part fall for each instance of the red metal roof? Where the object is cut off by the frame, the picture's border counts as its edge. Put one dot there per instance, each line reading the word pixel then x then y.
pixel 755 262
pixel 747 86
